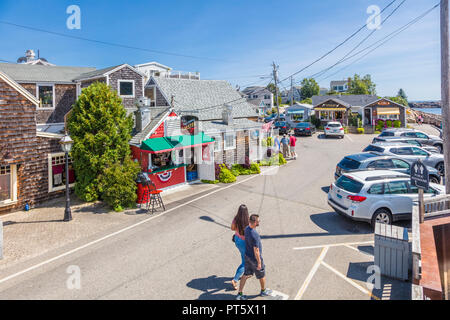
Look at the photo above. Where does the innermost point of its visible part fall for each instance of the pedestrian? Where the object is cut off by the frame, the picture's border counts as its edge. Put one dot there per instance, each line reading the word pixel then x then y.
pixel 285 146
pixel 254 262
pixel 277 145
pixel 292 143
pixel 240 222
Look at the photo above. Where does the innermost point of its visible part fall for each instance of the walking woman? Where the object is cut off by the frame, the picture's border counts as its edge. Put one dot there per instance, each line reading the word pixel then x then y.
pixel 240 222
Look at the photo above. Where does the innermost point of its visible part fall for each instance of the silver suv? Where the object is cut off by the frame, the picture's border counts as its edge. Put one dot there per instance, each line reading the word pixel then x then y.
pixel 376 196
pixel 420 136
pixel 372 161
pixel 391 140
pixel 410 153
pixel 334 129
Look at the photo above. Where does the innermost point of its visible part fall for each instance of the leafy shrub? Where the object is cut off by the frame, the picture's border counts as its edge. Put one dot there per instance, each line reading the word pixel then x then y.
pixel 238 169
pixel 247 163
pixel 254 167
pixel 118 185
pixel 397 124
pixel 210 181
pixel 377 132
pixel 267 142
pixel 360 130
pixel 388 123
pixel 225 175
pixel 345 130
pixel 281 159
pixel 380 125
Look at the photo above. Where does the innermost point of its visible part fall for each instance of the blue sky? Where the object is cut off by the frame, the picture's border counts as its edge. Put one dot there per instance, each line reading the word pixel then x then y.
pixel 238 38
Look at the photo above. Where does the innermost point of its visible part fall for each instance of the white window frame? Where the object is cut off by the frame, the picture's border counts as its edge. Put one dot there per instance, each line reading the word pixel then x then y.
pixel 225 147
pixel 217 142
pixel 13 184
pixel 54 95
pixel 118 88
pixel 50 175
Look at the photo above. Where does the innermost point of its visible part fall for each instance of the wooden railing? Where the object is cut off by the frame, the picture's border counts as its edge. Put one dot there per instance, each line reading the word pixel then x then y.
pixel 437 206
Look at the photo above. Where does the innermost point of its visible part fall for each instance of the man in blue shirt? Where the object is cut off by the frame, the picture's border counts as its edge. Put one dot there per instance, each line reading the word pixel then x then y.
pixel 254 263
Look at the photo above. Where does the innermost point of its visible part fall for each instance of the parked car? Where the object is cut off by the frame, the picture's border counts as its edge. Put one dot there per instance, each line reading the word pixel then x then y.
pixel 304 129
pixel 372 161
pixel 334 129
pixel 420 136
pixel 270 118
pixel 376 196
pixel 409 153
pixel 405 140
pixel 282 126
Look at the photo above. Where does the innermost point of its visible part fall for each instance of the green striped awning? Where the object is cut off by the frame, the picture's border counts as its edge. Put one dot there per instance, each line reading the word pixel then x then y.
pixel 164 144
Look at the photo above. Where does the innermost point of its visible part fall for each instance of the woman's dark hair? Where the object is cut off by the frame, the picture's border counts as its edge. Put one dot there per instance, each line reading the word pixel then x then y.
pixel 241 219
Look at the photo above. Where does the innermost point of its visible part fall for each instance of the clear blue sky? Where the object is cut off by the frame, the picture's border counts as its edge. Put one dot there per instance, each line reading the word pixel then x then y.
pixel 240 38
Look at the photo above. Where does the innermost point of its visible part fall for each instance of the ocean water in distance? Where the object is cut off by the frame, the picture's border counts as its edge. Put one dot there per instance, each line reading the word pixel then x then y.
pixel 430 110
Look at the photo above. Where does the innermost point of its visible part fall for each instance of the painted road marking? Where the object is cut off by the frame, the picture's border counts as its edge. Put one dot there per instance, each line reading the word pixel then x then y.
pixel 332 245
pixel 119 232
pixel 349 137
pixel 364 290
pixel 357 250
pixel 311 274
pixel 277 295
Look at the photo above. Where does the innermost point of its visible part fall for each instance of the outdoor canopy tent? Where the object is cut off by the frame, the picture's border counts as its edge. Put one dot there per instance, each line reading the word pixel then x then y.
pixel 164 144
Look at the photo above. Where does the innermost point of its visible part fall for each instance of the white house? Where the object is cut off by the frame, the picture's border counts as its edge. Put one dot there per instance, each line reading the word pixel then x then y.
pixel 255 95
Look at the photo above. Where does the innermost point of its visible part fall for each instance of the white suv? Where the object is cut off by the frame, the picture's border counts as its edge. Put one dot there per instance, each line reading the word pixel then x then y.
pixel 334 129
pixel 376 196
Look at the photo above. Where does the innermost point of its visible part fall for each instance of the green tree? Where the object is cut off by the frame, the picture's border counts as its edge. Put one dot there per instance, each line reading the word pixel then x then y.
pixel 306 101
pixel 101 130
pixel 401 93
pixel 309 88
pixel 398 100
pixel 358 85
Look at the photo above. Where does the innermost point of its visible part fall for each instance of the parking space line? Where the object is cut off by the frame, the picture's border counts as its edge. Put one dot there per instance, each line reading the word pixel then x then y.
pixel 332 245
pixel 311 274
pixel 350 281
pixel 349 137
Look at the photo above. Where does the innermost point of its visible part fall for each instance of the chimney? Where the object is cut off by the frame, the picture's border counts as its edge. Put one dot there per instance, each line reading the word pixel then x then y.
pixel 30 55
pixel 143 115
pixel 227 115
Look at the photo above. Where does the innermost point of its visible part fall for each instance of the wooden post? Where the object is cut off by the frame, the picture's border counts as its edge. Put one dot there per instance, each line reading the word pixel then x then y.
pixel 421 206
pixel 445 89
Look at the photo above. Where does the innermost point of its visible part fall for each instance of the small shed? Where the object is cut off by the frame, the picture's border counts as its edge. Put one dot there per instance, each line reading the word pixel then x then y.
pixel 298 112
pixel 384 109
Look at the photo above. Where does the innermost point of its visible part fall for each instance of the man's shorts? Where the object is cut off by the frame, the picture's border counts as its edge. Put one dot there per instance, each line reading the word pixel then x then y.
pixel 292 148
pixel 250 268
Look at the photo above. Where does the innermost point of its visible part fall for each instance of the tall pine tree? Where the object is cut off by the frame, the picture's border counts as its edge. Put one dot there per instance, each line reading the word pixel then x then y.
pixel 101 130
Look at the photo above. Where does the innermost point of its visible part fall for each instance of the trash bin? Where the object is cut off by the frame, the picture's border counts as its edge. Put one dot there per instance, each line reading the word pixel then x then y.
pixel 392 251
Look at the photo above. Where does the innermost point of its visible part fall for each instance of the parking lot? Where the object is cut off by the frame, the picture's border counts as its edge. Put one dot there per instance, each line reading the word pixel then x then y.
pixel 310 252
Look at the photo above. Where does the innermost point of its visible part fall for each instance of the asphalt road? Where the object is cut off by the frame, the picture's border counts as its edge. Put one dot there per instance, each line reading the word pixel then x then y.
pixel 186 253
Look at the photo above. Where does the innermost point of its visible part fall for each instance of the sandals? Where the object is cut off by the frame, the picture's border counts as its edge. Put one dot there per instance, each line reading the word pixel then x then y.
pixel 234 284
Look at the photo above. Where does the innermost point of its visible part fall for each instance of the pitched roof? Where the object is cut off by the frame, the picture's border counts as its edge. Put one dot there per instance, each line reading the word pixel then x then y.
pixel 41 73
pixel 204 99
pixel 338 82
pixel 156 115
pixel 219 126
pixel 256 90
pixel 19 88
pixel 105 71
pixel 357 100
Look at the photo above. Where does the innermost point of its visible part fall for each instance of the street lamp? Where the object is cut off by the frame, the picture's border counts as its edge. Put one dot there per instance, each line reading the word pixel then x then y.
pixel 66 144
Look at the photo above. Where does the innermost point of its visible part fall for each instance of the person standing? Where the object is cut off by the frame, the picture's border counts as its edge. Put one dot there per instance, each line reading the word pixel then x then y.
pixel 254 263
pixel 240 222
pixel 277 145
pixel 292 143
pixel 285 146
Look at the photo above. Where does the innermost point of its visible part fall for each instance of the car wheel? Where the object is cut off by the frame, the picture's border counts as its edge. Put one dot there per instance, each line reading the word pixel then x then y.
pixel 434 179
pixel 439 147
pixel 440 168
pixel 382 216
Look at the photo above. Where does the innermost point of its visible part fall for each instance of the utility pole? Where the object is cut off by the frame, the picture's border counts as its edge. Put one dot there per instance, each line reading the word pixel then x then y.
pixel 445 90
pixel 275 79
pixel 292 91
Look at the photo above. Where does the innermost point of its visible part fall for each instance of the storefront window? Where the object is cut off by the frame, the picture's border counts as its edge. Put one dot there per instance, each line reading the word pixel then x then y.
pixel 161 160
pixel 230 141
pixel 57 172
pixel 5 183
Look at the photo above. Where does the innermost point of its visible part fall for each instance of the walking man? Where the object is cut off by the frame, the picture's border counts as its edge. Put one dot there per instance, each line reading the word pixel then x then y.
pixel 285 146
pixel 254 263
pixel 292 142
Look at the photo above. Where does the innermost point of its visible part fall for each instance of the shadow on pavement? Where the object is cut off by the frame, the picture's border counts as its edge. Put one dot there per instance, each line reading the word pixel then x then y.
pixel 209 219
pixel 336 224
pixel 326 189
pixel 213 288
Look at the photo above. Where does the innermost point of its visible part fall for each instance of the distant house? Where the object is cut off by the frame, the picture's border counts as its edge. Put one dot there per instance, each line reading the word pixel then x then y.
pixel 299 112
pixel 339 86
pixel 255 95
pixel 295 92
pixel 383 109
pixel 323 91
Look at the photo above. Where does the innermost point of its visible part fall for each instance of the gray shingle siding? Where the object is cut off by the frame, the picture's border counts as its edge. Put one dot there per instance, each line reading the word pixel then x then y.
pixel 127 73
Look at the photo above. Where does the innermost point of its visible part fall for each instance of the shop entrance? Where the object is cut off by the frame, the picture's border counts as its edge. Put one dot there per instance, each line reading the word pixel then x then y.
pixel 190 159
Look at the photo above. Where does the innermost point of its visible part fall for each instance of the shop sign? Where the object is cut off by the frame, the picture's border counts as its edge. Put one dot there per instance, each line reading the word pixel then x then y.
pixel 383 103
pixel 189 124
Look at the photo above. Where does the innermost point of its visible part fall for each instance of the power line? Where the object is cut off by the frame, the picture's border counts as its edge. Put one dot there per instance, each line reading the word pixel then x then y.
pixel 339 45
pixel 109 43
pixel 384 40
pixel 320 73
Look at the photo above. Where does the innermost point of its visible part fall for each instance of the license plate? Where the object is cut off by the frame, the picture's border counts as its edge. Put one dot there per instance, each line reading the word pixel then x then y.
pixel 335 131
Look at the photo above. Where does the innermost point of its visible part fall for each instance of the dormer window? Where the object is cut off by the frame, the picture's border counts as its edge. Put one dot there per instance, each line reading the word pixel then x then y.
pixel 126 88
pixel 46 95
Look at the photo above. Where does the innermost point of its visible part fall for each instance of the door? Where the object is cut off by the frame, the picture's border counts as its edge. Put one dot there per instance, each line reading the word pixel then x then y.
pixel 399 197
pixel 367 117
pixel 206 169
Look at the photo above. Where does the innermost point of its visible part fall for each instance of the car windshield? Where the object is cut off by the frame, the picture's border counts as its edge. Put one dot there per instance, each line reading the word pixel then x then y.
pixel 303 125
pixel 386 134
pixel 348 164
pixel 349 185
pixel 373 148
pixel 333 125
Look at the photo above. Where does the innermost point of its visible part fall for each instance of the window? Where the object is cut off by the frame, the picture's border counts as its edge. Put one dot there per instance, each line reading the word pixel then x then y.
pixel 8 184
pixel 326 115
pixel 419 152
pixel 266 97
pixel 421 135
pixel 409 134
pixel 349 185
pixel 396 187
pixel 414 142
pixel 381 164
pixel 349 164
pixel 386 134
pixel 400 164
pixel 402 151
pixel 217 143
pixel 376 189
pixel 414 189
pixel 230 141
pixel 46 94
pixel 57 172
pixel 255 96
pixel 126 88
pixel 373 148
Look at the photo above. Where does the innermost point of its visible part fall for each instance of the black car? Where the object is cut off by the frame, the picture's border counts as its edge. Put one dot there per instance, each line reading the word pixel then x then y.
pixel 282 126
pixel 304 129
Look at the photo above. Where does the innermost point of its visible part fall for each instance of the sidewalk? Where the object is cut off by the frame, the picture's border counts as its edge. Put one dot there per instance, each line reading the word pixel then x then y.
pixel 28 234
